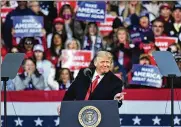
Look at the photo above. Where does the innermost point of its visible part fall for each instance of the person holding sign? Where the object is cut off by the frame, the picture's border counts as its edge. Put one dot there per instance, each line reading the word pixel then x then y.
pixel 21 10
pixel 105 85
pixel 143 60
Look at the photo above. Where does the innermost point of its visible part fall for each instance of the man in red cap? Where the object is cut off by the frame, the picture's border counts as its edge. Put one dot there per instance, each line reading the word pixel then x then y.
pixel 165 16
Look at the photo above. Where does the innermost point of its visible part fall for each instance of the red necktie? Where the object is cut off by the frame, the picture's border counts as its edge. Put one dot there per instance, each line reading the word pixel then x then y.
pixel 94 85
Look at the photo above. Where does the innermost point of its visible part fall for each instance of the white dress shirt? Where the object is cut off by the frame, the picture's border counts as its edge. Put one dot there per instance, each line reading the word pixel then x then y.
pixel 94 76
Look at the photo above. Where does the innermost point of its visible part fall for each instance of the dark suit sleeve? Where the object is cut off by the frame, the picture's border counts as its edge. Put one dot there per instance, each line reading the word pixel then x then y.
pixel 118 89
pixel 70 95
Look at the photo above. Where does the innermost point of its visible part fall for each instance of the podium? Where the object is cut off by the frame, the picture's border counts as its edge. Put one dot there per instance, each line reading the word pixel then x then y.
pixel 94 113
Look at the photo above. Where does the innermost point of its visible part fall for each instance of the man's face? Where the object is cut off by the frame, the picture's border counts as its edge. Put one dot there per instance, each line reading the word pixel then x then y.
pixel 144 22
pixel 177 15
pixel 158 28
pixel 35 7
pixel 103 65
pixel 165 12
pixel 22 4
pixel 144 62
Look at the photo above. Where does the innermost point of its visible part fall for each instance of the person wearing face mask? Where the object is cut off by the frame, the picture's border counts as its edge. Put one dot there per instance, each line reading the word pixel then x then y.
pixel 74 28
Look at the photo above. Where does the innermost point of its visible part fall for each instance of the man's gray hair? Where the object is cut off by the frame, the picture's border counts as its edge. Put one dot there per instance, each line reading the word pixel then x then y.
pixel 101 54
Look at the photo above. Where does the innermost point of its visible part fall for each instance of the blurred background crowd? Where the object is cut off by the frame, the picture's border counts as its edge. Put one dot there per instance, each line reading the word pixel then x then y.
pixel 134 29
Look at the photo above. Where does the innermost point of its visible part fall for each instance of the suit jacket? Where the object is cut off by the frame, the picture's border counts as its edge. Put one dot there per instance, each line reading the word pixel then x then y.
pixel 106 89
pixel 173 33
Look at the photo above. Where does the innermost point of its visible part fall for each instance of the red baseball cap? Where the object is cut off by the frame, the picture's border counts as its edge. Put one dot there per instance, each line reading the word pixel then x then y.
pixel 165 5
pixel 58 20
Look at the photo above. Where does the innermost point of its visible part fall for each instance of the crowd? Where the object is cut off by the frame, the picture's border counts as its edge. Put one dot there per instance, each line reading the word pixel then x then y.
pixel 131 41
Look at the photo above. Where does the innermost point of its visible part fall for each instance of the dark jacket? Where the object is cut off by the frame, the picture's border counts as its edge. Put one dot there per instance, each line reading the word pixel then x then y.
pixel 8 25
pixel 107 88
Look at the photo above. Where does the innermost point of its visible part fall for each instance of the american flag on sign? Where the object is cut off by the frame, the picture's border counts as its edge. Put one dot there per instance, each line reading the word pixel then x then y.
pixel 143 108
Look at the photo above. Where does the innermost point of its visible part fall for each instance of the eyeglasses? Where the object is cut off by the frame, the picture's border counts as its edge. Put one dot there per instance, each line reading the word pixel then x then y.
pixel 28 43
pixel 157 26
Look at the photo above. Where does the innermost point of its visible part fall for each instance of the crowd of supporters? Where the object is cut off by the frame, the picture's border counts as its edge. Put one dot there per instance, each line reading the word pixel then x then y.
pixel 131 41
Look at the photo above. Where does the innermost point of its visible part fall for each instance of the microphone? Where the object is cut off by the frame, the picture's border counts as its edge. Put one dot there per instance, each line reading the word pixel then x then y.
pixel 87 72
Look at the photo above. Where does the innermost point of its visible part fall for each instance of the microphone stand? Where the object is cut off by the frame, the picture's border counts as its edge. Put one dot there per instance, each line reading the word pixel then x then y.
pixel 90 85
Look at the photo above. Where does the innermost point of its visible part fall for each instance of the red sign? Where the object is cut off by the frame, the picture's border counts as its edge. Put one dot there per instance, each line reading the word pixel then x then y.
pixel 106 27
pixel 4 12
pixel 61 3
pixel 164 42
pixel 76 59
pixel 147 47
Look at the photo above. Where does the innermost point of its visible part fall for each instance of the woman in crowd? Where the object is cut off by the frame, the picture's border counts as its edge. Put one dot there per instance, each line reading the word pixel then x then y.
pixel 92 39
pixel 72 44
pixel 58 27
pixel 26 46
pixel 30 79
pixel 54 52
pixel 122 49
pixel 74 28
pixel 63 79
pixel 131 12
pixel 42 65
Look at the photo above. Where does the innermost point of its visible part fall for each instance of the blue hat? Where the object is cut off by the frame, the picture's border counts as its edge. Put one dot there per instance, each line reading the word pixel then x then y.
pixel 148 37
pixel 176 6
pixel 144 14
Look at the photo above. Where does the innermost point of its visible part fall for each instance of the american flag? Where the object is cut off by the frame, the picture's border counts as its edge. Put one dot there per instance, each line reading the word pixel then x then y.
pixel 141 107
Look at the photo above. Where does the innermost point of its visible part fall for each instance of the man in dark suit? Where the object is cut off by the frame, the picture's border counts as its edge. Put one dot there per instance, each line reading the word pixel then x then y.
pixel 105 85
pixel 175 28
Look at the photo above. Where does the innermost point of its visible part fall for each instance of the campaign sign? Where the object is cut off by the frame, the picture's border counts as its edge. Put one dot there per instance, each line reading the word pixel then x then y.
pixel 76 59
pixel 4 12
pixel 136 37
pixel 148 75
pixel 28 26
pixel 91 11
pixel 105 28
pixel 164 42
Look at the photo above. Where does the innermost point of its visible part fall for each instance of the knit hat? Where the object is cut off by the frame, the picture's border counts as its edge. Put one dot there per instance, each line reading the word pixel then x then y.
pixel 144 14
pixel 165 5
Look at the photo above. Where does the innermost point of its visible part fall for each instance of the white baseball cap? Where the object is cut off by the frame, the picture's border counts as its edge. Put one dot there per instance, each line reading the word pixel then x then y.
pixel 38 47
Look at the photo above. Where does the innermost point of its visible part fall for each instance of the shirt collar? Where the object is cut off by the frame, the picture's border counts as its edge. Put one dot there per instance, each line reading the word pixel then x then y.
pixel 95 74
